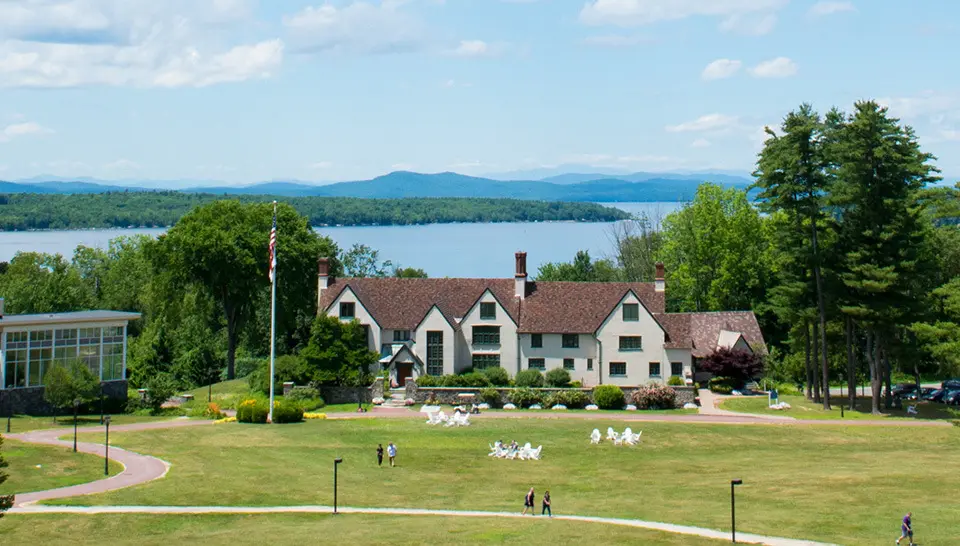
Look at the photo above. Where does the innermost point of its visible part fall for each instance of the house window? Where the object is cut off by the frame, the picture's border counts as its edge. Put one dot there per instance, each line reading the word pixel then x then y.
pixel 589 364
pixel 348 310
pixel 434 353
pixel 488 311
pixel 486 335
pixel 654 369
pixel 568 364
pixel 571 341
pixel 631 312
pixel 483 361
pixel 618 369
pixel 536 341
pixel 536 363
pixel 676 368
pixel 631 343
pixel 401 335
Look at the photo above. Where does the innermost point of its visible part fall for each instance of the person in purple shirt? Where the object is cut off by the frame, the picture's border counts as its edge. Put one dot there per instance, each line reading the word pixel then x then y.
pixel 906 528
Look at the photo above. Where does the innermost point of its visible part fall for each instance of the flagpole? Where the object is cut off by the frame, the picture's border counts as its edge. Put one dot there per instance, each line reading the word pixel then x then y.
pixel 273 314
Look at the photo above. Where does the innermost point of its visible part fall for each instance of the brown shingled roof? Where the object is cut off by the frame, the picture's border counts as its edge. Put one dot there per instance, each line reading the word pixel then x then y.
pixel 549 307
pixel 700 331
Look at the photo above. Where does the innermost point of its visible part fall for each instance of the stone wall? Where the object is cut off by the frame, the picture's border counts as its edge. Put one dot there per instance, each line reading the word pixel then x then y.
pixel 345 395
pixel 449 395
pixel 29 400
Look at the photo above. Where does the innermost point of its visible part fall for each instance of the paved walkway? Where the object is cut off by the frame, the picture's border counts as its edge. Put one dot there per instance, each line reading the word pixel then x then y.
pixel 746 538
pixel 137 468
pixel 710 405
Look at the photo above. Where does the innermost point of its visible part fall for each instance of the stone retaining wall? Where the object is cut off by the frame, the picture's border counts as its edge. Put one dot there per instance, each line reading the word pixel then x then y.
pixel 29 400
pixel 449 395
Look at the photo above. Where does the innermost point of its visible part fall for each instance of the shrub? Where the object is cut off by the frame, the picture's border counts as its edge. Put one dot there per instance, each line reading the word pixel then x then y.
pixel 308 398
pixel 286 368
pixel 576 385
pixel 722 385
pixel 429 381
pixel 675 380
pixel 160 388
pixel 252 411
pixel 212 411
pixel 529 378
pixel 287 412
pixel 608 397
pixel 245 366
pixel 490 396
pixel 558 377
pixel 525 397
pixel 571 399
pixel 653 396
pixel 474 379
pixel 497 376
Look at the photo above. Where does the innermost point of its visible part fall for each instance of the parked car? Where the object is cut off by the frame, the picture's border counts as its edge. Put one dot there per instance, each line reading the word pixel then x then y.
pixel 921 395
pixel 903 390
pixel 952 398
pixel 936 395
pixel 951 384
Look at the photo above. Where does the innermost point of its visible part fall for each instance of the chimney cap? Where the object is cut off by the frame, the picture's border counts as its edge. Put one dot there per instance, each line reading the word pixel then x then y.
pixel 323 266
pixel 521 259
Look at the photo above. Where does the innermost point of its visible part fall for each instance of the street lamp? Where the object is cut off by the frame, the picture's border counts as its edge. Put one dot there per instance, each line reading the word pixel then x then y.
pixel 101 403
pixel 733 509
pixel 336 463
pixel 106 448
pixel 76 411
pixel 9 412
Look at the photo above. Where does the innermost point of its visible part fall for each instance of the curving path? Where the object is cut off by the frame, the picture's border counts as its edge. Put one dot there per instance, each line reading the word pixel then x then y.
pixel 746 538
pixel 137 468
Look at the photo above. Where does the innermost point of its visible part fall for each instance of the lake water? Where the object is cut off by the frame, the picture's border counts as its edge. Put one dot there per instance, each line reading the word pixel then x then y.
pixel 442 250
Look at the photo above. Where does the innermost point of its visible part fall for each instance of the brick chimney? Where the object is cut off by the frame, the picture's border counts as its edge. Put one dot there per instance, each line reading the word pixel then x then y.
pixel 323 280
pixel 660 278
pixel 520 277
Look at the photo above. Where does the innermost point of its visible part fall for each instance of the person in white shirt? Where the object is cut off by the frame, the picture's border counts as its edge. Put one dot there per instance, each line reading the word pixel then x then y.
pixel 392 453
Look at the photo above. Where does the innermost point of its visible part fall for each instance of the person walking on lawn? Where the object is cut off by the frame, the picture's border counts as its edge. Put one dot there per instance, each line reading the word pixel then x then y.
pixel 392 453
pixel 528 503
pixel 906 528
pixel 546 505
pixel 379 454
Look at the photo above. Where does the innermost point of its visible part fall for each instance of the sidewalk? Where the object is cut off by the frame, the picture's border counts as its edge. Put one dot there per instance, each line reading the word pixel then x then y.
pixel 745 538
pixel 710 402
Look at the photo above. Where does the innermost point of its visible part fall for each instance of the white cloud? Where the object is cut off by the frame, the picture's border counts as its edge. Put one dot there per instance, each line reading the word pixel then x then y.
pixel 749 24
pixel 17 130
pixel 720 68
pixel 627 13
pixel 928 104
pixel 780 67
pixel 706 123
pixel 701 143
pixel 359 27
pixel 472 48
pixel 829 8
pixel 70 43
pixel 614 40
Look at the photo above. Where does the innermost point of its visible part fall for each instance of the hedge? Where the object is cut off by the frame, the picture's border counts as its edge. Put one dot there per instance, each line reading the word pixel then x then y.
pixel 608 397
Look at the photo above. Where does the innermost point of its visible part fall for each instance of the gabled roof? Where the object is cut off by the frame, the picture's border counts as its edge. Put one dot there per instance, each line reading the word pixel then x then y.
pixel 701 332
pixel 549 307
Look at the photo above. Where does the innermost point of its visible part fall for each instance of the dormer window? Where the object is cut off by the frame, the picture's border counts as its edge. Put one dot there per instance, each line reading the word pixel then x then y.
pixel 488 311
pixel 348 310
pixel 401 335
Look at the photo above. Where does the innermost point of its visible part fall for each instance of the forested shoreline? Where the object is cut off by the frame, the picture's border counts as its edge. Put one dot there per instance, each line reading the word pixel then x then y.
pixel 22 212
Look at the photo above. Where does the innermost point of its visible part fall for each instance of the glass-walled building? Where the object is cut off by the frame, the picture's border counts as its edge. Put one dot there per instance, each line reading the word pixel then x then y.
pixel 31 344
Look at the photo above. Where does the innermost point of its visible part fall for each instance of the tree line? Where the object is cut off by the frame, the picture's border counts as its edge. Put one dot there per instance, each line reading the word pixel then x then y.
pixel 202 289
pixel 849 257
pixel 29 211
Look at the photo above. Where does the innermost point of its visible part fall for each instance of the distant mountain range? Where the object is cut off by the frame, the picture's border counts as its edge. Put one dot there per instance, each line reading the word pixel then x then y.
pixel 562 187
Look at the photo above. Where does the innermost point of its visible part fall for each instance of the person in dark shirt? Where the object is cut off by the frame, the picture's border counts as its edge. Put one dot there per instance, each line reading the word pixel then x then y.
pixel 546 504
pixel 528 503
pixel 379 454
pixel 906 528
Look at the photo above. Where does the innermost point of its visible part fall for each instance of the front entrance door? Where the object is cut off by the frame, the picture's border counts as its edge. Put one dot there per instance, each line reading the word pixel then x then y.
pixel 404 370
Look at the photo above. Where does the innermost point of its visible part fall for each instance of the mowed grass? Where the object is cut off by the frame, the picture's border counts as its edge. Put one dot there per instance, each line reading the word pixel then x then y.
pixel 806 409
pixel 841 484
pixel 146 530
pixel 25 423
pixel 58 467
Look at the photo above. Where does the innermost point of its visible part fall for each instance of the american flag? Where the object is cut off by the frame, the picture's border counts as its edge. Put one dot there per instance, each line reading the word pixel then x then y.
pixel 273 244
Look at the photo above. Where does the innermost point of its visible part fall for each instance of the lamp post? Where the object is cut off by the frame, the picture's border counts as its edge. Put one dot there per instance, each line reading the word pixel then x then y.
pixel 106 448
pixel 9 412
pixel 76 411
pixel 101 403
pixel 336 463
pixel 733 509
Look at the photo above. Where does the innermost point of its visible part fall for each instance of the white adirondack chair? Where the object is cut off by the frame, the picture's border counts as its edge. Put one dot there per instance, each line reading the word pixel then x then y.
pixel 433 418
pixel 595 436
pixel 636 437
pixel 628 437
pixel 612 434
pixel 536 453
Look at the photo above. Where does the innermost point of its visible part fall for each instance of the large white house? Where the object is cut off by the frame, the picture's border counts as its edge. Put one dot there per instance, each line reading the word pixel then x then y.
pixel 616 333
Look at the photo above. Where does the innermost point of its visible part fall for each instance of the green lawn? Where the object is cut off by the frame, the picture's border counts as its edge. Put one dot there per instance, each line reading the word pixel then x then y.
pixel 841 484
pixel 26 423
pixel 144 530
pixel 58 467
pixel 805 409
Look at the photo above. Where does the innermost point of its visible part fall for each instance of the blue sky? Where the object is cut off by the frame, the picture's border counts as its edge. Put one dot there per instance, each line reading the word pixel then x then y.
pixel 244 91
